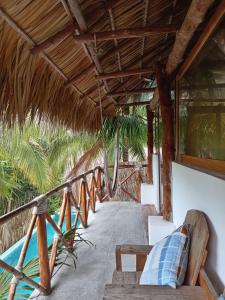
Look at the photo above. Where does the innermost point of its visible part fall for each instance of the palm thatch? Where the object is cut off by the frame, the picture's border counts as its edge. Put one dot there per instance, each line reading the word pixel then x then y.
pixel 38 84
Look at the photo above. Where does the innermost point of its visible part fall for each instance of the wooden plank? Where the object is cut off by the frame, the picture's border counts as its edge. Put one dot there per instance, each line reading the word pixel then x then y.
pixel 206 284
pixel 207 32
pixel 135 249
pixel 199 234
pixel 212 165
pixel 126 277
pixel 130 292
pixel 126 33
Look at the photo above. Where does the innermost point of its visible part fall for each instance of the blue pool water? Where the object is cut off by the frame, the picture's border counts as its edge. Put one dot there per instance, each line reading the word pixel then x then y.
pixel 11 256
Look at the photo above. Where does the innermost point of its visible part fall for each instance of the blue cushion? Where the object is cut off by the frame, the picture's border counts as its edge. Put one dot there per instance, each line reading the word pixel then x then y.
pixel 222 297
pixel 163 262
pixel 184 256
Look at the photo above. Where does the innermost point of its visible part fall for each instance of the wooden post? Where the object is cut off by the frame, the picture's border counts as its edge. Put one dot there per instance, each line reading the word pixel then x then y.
pixel 92 191
pixel 19 266
pixel 99 185
pixel 45 277
pixel 167 139
pixel 56 240
pixel 68 215
pixel 83 202
pixel 150 117
pixel 139 181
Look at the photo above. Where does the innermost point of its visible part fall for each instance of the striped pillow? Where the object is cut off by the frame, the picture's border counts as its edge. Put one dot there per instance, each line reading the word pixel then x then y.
pixel 162 264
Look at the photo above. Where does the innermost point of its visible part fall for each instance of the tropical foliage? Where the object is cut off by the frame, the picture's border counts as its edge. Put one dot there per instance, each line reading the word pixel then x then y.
pixel 38 156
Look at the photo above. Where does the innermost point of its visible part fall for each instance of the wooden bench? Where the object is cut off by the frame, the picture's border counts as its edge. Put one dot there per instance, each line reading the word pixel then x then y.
pixel 125 285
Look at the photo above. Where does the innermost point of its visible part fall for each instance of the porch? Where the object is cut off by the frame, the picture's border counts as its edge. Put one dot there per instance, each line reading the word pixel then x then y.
pixel 114 223
pixel 148 78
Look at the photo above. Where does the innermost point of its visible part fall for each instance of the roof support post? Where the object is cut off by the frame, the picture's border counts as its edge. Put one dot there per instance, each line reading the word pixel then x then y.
pixel 150 117
pixel 167 138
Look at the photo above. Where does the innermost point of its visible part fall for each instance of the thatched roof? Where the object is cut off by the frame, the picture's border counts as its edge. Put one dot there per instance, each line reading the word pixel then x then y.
pixel 41 83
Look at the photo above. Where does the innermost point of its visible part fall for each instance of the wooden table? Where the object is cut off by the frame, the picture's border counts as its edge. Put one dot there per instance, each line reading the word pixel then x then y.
pixel 146 292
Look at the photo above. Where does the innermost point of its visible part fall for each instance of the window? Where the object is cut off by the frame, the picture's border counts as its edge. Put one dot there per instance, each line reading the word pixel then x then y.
pixel 201 96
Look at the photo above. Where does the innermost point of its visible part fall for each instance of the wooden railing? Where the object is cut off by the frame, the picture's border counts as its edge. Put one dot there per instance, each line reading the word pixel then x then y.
pixel 91 188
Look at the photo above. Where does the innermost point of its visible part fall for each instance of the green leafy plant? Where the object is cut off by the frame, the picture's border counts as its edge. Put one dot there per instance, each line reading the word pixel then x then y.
pixel 31 269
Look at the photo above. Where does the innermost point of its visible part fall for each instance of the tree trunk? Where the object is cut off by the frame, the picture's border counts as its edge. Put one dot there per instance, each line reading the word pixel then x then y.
pixel 167 138
pixel 125 153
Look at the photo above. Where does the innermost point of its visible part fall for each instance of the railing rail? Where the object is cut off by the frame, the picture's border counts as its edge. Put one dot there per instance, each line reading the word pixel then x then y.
pixel 50 193
pixel 91 188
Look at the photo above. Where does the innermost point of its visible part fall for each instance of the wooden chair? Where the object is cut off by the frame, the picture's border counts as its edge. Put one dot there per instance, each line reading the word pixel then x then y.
pixel 125 285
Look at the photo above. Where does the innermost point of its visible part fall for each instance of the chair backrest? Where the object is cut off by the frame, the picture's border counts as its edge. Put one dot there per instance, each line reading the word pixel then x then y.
pixel 199 239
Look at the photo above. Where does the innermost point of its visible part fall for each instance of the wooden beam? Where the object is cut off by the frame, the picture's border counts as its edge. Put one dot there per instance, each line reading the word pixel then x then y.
pixel 208 30
pixel 134 103
pixel 54 39
pixel 193 18
pixel 125 73
pixel 131 92
pixel 167 139
pixel 126 33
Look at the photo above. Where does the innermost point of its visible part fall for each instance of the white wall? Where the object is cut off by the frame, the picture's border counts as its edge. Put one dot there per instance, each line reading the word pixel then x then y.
pixel 192 189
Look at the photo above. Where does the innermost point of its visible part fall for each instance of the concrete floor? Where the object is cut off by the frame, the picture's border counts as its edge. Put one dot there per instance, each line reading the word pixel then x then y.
pixel 114 223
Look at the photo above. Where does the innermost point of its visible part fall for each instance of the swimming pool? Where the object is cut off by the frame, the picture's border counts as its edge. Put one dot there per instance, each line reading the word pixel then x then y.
pixel 11 256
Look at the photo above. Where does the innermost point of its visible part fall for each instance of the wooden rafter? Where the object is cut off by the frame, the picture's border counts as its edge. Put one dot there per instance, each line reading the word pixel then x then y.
pixel 126 33
pixel 116 50
pixel 31 42
pixel 54 39
pixel 131 92
pixel 75 9
pixel 112 23
pixel 125 73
